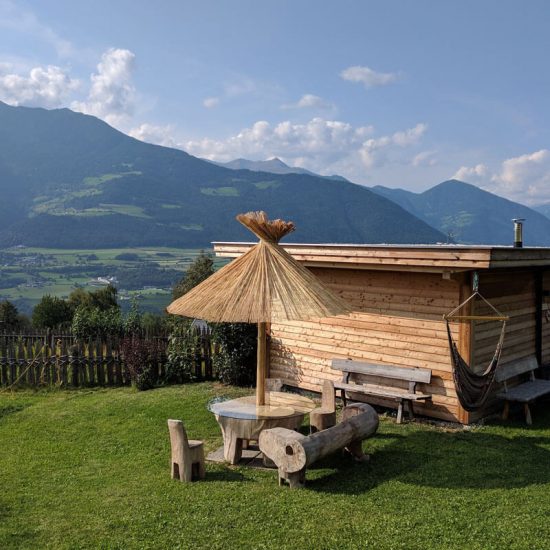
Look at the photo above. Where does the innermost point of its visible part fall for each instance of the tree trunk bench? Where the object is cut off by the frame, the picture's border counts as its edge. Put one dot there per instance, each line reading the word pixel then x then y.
pixel 525 392
pixel 292 452
pixel 352 369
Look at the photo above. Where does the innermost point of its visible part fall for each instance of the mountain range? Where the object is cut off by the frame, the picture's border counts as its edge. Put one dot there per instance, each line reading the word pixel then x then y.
pixel 273 166
pixel 70 180
pixel 468 214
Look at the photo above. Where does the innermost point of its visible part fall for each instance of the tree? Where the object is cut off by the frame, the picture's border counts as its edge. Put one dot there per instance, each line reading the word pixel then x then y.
pixel 198 271
pixel 51 312
pixel 102 299
pixel 9 316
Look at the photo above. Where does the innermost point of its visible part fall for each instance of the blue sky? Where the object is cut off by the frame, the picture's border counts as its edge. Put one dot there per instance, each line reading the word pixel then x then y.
pixel 397 93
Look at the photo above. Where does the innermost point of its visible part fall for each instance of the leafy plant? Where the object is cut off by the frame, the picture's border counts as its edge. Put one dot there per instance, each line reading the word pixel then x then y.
pixel 140 359
pixel 236 358
pixel 51 312
pixel 183 345
pixel 198 271
pixel 92 322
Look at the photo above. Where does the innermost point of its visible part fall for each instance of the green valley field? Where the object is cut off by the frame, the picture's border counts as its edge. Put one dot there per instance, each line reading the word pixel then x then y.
pixel 27 274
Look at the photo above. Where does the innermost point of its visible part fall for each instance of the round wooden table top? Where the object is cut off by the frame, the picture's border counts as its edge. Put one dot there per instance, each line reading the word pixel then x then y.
pixel 278 405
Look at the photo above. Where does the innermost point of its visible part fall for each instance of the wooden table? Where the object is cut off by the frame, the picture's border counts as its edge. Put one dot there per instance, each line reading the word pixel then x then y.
pixel 241 419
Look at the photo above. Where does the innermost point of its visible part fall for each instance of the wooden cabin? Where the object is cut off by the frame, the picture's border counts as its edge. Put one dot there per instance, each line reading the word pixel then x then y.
pixel 399 295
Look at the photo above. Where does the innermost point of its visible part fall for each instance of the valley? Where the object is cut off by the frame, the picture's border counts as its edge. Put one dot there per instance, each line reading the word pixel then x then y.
pixel 146 273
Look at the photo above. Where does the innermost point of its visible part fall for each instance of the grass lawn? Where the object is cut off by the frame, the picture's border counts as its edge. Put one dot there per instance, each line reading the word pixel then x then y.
pixel 89 469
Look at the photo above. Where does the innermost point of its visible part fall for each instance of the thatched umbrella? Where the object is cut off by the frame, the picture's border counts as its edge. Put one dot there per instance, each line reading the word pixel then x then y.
pixel 263 285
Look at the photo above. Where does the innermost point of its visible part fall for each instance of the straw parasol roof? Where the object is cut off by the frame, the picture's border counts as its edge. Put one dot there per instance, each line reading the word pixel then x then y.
pixel 264 284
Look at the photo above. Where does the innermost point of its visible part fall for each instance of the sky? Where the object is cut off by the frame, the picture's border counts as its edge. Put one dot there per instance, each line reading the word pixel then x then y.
pixel 396 93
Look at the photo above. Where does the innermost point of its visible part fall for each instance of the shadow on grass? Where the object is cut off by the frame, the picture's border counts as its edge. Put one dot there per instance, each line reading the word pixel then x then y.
pixel 224 474
pixel 470 460
pixel 6 410
pixel 22 538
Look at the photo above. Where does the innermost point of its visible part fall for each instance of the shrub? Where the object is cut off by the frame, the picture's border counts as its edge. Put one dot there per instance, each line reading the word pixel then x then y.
pixel 183 345
pixel 51 312
pixel 198 271
pixel 140 358
pixel 235 362
pixel 92 322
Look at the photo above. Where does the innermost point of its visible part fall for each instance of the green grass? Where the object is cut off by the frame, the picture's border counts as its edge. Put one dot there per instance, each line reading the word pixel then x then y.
pixel 98 180
pixel 221 191
pixel 267 184
pixel 89 469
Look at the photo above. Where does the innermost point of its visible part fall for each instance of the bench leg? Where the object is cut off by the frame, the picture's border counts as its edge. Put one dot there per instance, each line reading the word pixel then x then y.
pixel 410 409
pixel 343 396
pixel 506 410
pixel 400 412
pixel 528 418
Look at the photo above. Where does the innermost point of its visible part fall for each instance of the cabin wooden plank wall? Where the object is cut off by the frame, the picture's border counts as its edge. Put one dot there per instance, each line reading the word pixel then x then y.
pixel 397 320
pixel 513 293
pixel 545 312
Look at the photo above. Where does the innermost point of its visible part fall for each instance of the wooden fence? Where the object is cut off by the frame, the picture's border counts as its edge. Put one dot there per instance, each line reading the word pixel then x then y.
pixel 60 359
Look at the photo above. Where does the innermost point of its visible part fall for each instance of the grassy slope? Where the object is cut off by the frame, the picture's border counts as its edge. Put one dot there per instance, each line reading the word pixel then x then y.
pixel 90 469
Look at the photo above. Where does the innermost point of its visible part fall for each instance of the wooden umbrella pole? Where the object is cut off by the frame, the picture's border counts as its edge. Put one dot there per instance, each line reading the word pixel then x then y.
pixel 261 373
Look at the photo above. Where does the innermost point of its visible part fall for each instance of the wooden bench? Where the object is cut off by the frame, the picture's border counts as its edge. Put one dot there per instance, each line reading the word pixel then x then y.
pixel 413 376
pixel 292 451
pixel 525 392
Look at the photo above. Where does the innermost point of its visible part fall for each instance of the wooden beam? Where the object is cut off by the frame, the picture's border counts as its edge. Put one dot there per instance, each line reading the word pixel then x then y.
pixel 538 315
pixel 465 334
pixel 261 372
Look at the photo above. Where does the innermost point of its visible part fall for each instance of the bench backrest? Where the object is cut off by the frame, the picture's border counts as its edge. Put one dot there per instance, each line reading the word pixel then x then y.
pixel 412 374
pixel 509 370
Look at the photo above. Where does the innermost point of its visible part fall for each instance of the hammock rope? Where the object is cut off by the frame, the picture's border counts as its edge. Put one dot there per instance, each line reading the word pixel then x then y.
pixel 473 389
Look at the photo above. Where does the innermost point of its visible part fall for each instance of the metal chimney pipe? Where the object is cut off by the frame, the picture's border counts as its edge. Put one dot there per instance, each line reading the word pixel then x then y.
pixel 518 232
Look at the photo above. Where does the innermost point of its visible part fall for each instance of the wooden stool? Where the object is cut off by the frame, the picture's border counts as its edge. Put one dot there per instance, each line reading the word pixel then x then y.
pixel 187 454
pixel 324 416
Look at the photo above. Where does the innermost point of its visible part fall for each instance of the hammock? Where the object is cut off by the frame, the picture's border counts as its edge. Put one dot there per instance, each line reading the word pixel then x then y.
pixel 473 389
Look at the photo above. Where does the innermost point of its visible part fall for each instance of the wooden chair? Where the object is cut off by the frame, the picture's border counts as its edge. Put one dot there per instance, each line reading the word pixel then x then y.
pixel 324 416
pixel 187 454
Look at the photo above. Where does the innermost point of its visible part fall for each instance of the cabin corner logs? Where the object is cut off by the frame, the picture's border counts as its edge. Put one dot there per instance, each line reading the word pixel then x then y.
pixel 400 294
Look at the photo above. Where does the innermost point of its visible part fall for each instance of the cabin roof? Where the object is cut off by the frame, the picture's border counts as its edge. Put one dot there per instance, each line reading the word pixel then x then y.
pixel 433 258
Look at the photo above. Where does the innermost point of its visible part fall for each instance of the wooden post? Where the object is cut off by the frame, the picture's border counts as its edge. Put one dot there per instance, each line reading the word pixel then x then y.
pixel 465 335
pixel 538 316
pixel 261 373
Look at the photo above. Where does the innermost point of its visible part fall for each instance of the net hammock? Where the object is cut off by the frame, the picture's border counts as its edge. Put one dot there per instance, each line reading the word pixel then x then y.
pixel 473 388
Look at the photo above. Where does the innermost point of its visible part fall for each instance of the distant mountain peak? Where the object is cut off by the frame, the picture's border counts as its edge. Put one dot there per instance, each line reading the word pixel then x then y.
pixel 71 180
pixel 273 165
pixel 470 214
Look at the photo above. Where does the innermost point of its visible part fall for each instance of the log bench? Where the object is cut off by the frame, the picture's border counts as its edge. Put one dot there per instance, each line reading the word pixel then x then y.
pixel 292 451
pixel 414 375
pixel 525 392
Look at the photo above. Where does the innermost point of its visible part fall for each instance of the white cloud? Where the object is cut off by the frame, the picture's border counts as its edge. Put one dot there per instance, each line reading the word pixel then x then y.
pixel 315 139
pixel 47 86
pixel 309 101
pixel 368 77
pixel 16 18
pixel 425 158
pixel 472 174
pixel 324 146
pixel 524 179
pixel 112 93
pixel 159 135
pixel 374 151
pixel 211 102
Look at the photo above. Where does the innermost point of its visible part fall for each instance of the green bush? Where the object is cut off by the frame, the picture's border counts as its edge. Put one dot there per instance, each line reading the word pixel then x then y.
pixel 183 345
pixel 140 359
pixel 235 362
pixel 92 322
